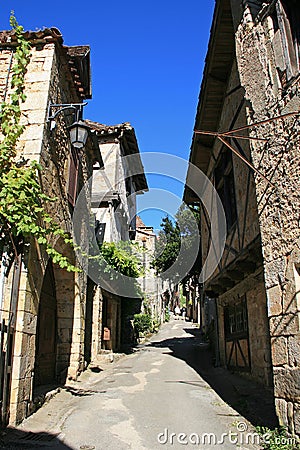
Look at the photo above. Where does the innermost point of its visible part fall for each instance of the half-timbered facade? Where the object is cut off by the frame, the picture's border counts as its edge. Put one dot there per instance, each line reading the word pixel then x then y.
pixel 114 189
pixel 246 141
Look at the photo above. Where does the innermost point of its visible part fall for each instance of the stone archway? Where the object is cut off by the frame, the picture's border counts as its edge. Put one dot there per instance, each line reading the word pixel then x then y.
pixel 46 337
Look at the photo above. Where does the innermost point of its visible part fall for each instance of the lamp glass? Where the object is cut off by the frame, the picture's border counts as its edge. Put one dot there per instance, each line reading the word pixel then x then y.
pixel 78 134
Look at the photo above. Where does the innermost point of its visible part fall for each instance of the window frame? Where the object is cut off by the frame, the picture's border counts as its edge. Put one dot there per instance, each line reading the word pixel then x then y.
pixel 231 314
pixel 225 186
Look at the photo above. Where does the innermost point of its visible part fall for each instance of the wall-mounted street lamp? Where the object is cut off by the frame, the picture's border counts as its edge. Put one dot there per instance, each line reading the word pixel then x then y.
pixel 78 130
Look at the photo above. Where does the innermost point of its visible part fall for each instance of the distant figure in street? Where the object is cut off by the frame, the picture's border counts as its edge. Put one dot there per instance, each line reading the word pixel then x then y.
pixel 134 333
pixel 176 311
pixel 183 312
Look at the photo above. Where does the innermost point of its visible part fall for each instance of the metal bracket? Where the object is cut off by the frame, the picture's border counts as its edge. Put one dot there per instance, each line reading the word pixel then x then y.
pixel 76 107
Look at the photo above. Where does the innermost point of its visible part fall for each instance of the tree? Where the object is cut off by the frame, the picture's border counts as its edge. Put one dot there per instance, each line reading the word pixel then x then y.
pixel 177 240
pixel 167 245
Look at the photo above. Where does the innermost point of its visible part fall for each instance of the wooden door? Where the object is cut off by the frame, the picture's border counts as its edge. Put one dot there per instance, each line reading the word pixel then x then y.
pixel 236 336
pixel 45 361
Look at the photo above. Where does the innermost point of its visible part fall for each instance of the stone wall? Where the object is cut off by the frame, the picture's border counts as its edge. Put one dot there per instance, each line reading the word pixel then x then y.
pixel 34 109
pixel 97 323
pixel 270 95
pixel 47 80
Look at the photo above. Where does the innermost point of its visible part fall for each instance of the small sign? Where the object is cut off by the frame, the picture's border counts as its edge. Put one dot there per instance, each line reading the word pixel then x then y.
pixel 106 334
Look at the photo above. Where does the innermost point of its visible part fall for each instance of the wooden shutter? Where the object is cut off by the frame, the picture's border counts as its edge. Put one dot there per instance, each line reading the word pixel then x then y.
pixel 73 176
pixel 286 14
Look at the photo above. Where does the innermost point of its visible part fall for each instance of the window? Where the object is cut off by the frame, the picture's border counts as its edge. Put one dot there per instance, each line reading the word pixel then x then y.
pixel 297 284
pixel 132 229
pixel 286 40
pixel 224 184
pixel 100 232
pixel 236 321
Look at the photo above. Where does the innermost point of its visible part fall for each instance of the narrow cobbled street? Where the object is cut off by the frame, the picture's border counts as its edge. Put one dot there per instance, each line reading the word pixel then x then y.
pixel 151 399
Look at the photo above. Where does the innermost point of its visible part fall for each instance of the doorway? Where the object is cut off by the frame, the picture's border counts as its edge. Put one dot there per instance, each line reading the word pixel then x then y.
pixel 46 337
pixel 88 333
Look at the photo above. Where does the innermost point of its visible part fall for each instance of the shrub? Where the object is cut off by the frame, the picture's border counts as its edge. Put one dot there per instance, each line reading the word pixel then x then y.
pixel 142 322
pixel 167 315
pixel 156 325
pixel 277 439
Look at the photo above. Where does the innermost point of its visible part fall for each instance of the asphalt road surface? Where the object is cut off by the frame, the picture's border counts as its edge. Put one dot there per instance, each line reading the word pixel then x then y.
pixel 151 399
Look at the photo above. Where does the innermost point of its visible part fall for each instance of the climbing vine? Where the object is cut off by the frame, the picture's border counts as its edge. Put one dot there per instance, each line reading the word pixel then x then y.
pixel 22 201
pixel 122 257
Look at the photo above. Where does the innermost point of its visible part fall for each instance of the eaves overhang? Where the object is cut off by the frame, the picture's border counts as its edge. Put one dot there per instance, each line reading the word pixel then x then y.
pixel 218 65
pixel 125 134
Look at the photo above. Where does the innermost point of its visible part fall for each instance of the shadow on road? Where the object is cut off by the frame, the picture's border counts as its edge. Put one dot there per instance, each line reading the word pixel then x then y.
pixel 15 439
pixel 250 399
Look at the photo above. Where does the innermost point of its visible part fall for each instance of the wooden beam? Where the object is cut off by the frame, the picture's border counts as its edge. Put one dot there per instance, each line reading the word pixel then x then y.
pixel 235 275
pixel 247 266
pixel 227 282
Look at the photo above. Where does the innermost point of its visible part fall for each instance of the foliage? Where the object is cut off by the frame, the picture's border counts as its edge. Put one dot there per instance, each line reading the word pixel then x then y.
pixel 182 297
pixel 22 211
pixel 156 325
pixel 121 257
pixel 167 245
pixel 119 266
pixel 277 439
pixel 167 315
pixel 175 236
pixel 11 112
pixel 142 322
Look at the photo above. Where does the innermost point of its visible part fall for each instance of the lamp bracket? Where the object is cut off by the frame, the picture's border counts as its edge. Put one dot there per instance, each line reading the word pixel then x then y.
pixel 76 107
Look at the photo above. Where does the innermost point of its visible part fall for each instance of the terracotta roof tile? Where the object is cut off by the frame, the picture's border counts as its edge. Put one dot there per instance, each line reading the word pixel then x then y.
pixel 108 129
pixel 77 56
pixel 46 35
pixel 139 222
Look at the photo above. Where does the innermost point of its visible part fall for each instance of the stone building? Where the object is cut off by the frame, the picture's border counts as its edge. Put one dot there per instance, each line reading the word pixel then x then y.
pixel 149 282
pixel 43 306
pixel 247 144
pixel 115 185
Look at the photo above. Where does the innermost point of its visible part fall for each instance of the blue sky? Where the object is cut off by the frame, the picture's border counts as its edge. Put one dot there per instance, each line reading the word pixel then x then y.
pixel 147 62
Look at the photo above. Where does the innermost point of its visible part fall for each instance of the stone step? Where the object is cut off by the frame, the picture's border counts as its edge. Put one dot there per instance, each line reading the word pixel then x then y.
pixel 106 356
